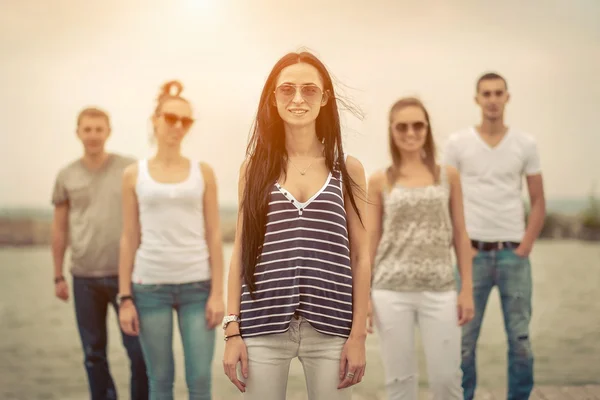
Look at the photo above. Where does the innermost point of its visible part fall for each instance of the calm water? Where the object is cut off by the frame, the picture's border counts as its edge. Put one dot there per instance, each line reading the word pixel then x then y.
pixel 41 358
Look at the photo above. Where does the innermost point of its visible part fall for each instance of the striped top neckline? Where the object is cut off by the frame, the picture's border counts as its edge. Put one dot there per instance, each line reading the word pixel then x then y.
pixel 303 204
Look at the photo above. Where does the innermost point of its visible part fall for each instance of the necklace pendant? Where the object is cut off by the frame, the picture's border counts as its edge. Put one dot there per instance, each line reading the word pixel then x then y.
pixel 302 173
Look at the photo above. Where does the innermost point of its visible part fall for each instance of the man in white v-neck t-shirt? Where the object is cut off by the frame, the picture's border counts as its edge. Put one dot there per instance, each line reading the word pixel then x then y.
pixel 492 160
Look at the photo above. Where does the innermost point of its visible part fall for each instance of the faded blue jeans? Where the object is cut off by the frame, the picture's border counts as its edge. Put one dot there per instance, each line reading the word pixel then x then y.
pixel 155 305
pixel 512 275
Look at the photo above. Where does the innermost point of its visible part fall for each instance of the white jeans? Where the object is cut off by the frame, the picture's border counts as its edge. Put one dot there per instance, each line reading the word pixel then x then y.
pixel 269 359
pixel 396 315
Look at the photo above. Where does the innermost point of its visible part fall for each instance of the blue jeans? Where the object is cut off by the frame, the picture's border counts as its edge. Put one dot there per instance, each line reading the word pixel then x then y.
pixel 92 297
pixel 155 305
pixel 512 275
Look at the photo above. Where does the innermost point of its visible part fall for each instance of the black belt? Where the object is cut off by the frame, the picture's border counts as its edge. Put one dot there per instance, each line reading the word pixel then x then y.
pixel 489 246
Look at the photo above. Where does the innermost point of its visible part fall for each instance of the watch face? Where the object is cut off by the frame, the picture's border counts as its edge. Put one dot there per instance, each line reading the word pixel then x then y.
pixel 228 319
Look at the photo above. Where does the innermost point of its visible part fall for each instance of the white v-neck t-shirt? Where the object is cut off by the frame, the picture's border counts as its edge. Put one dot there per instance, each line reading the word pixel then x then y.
pixel 492 181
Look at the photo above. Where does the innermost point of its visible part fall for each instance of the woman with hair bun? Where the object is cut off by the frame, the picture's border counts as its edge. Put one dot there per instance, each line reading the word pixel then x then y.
pixel 171 254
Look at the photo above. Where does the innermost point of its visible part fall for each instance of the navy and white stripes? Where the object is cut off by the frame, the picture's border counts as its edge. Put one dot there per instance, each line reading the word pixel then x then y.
pixel 304 266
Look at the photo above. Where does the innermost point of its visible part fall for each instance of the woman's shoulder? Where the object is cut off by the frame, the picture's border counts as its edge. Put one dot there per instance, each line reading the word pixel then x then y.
pixel 205 168
pixel 131 170
pixel 353 165
pixel 208 174
pixel 130 175
pixel 378 179
pixel 451 172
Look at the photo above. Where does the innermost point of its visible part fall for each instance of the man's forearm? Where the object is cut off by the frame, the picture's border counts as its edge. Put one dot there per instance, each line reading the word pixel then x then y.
pixel 59 247
pixel 535 222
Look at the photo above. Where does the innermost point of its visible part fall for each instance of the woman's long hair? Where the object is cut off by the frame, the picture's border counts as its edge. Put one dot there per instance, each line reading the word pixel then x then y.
pixel 267 158
pixel 393 171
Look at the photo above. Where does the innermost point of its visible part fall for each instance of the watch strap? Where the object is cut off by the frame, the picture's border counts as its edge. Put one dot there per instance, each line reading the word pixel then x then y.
pixel 121 299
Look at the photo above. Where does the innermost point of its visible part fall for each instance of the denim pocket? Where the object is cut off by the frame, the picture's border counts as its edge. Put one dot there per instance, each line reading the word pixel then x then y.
pixel 512 252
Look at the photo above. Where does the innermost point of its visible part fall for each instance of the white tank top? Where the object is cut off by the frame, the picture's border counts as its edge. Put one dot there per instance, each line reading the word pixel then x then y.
pixel 173 247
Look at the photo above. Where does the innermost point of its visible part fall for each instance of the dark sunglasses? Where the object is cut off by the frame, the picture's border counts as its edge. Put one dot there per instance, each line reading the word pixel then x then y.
pixel 417 127
pixel 310 93
pixel 172 119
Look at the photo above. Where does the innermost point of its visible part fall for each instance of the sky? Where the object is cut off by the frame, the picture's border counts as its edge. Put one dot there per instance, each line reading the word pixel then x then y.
pixel 64 55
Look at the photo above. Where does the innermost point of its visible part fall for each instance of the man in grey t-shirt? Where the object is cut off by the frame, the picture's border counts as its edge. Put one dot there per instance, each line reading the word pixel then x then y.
pixel 87 219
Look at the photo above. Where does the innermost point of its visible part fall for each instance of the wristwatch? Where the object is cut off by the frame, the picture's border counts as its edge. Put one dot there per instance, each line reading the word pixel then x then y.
pixel 123 297
pixel 230 318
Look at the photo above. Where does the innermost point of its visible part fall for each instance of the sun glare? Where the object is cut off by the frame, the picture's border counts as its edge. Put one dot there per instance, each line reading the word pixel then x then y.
pixel 200 5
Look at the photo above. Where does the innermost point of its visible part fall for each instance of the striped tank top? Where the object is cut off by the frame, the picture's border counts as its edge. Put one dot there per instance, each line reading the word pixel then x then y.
pixel 304 267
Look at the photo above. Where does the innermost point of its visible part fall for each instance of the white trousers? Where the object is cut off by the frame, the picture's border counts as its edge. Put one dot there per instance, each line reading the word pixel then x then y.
pixel 269 359
pixel 396 316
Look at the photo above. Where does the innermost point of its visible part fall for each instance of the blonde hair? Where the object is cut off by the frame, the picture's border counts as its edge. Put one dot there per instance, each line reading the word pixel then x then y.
pixel 93 112
pixel 393 171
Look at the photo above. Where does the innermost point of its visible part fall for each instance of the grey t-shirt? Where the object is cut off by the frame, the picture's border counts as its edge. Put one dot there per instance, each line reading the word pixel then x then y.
pixel 94 214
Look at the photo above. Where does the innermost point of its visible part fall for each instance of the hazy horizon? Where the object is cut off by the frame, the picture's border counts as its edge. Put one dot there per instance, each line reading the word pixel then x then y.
pixel 565 206
pixel 62 56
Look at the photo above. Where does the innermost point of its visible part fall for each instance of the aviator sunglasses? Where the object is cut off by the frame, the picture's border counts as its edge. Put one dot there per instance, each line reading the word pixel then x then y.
pixel 418 127
pixel 311 93
pixel 172 119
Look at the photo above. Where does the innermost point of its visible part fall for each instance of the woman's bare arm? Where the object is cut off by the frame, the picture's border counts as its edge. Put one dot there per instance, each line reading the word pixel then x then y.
pixel 212 227
pixel 462 247
pixel 359 249
pixel 462 243
pixel 235 348
pixel 234 280
pixel 353 359
pixel 130 234
pixel 375 213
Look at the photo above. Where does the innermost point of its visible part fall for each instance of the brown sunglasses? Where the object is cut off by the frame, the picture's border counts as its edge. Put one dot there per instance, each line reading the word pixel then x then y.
pixel 172 119
pixel 418 127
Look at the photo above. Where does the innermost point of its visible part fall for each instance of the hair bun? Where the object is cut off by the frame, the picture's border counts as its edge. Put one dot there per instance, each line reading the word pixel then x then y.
pixel 170 89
